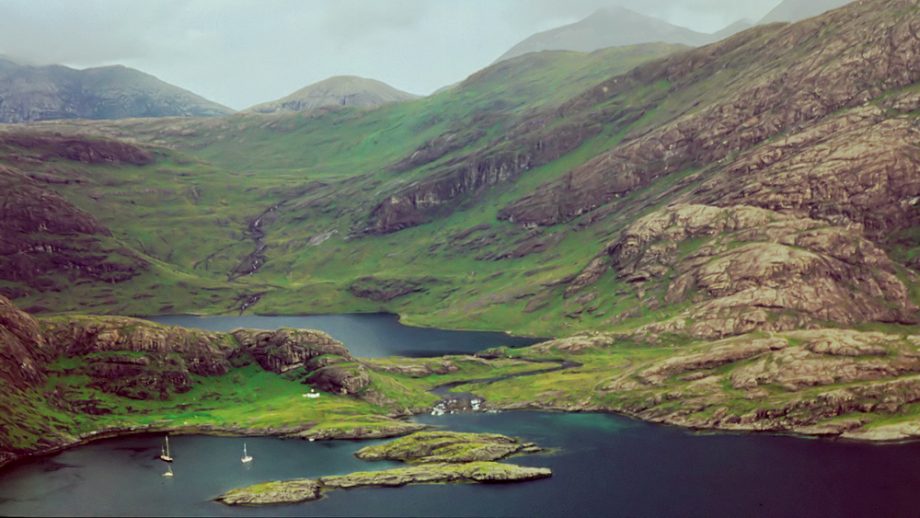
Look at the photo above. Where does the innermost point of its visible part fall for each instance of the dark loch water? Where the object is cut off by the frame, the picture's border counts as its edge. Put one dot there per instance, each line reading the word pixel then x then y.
pixel 605 466
pixel 368 336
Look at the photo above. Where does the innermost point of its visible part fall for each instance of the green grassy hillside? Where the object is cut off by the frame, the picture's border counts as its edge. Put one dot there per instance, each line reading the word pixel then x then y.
pixel 500 202
pixel 190 210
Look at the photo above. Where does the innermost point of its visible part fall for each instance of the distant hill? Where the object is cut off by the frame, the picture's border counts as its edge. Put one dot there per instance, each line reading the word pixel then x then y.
pixel 337 91
pixel 34 93
pixel 609 27
pixel 735 28
pixel 795 10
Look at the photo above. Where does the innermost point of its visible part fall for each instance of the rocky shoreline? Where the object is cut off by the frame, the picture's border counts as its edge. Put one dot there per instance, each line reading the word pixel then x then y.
pixel 302 433
pixel 836 383
pixel 434 458
pixel 305 490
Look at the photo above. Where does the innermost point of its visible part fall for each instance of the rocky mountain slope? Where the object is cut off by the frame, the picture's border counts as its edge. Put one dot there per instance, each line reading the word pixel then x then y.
pixel 831 382
pixel 353 91
pixel 34 93
pixel 744 269
pixel 47 243
pixel 767 182
pixel 732 29
pixel 722 237
pixel 795 10
pixel 613 27
pixel 69 375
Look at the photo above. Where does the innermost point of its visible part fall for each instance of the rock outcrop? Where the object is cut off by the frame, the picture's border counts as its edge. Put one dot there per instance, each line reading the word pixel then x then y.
pixel 859 167
pixel 305 490
pixel 23 349
pixel 834 382
pixel 444 446
pixel 47 242
pixel 141 360
pixel 436 457
pixel 287 492
pixel 94 151
pixel 823 381
pixel 385 290
pixel 135 358
pixel 287 349
pixel 474 174
pixel 342 378
pixel 774 80
pixel 745 268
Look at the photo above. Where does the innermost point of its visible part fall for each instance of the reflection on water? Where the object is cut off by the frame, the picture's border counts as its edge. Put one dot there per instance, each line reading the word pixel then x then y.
pixel 602 465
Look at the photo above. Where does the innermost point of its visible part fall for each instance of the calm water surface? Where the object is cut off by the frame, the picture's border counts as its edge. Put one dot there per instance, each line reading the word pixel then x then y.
pixel 368 336
pixel 605 465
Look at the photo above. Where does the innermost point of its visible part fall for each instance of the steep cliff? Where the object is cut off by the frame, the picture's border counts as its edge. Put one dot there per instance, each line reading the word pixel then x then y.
pixel 62 374
pixel 771 82
pixel 46 242
pixel 743 269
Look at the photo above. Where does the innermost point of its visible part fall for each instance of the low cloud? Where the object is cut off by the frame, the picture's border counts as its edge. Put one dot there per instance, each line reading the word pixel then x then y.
pixel 241 52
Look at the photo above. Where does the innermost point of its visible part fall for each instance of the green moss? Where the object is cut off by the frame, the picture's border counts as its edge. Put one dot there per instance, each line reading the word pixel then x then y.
pixel 443 446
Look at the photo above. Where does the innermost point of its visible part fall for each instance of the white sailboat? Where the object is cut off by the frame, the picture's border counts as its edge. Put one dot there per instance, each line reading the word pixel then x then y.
pixel 169 471
pixel 164 452
pixel 245 459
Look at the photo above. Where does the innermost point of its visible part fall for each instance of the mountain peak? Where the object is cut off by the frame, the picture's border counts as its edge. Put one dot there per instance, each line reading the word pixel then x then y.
pixel 611 26
pixel 34 93
pixel 344 90
pixel 611 10
pixel 795 10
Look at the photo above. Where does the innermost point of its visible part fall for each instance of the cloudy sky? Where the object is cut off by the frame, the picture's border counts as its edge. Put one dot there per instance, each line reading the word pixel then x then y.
pixel 242 52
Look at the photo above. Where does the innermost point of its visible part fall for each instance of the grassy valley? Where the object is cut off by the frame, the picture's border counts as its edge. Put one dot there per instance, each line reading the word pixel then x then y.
pixel 721 237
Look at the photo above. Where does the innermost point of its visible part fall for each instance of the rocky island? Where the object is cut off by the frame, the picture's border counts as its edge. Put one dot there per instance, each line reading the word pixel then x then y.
pixel 721 238
pixel 436 458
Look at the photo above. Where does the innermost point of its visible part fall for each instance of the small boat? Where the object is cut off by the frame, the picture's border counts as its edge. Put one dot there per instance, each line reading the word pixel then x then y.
pixel 169 471
pixel 313 394
pixel 245 459
pixel 164 451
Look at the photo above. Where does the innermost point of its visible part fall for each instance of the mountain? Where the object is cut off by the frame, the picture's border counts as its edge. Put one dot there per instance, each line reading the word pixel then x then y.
pixel 609 27
pixel 795 10
pixel 503 200
pixel 34 93
pixel 337 91
pixel 731 30
pixel 718 237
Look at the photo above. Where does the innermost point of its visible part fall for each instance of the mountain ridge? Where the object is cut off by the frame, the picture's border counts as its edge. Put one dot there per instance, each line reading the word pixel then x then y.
pixel 721 237
pixel 515 186
pixel 34 93
pixel 613 27
pixel 797 10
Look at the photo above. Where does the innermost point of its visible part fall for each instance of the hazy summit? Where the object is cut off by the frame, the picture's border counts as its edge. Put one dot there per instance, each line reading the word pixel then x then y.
pixel 34 93
pixel 608 27
pixel 795 10
pixel 354 91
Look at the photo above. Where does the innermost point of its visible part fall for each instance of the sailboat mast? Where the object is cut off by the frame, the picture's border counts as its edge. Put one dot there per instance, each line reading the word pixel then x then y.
pixel 167 446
